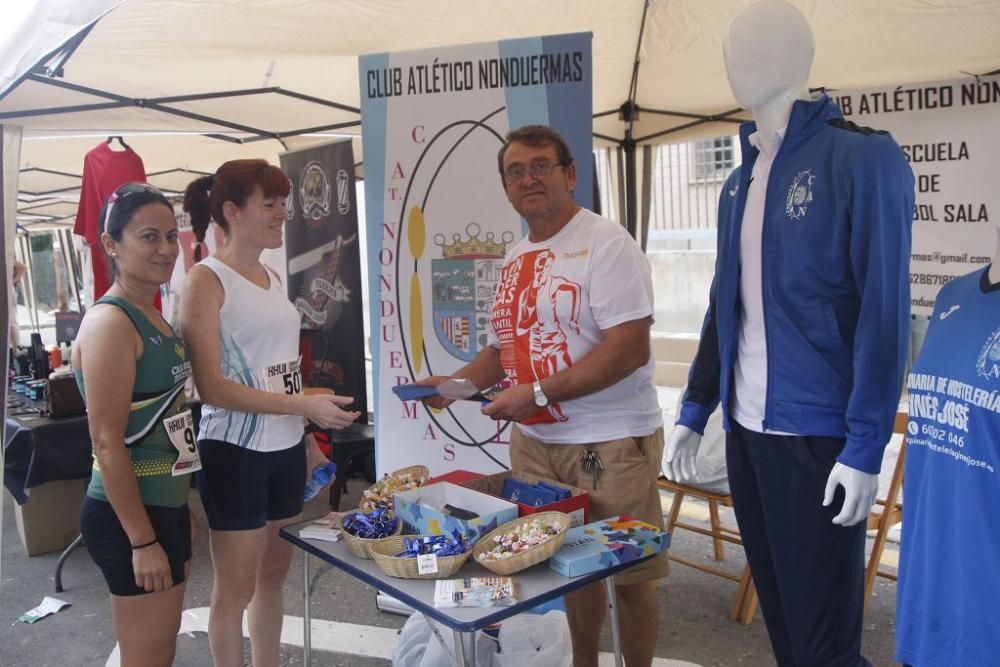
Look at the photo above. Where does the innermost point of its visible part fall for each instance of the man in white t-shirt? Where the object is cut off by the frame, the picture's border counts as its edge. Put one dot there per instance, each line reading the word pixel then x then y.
pixel 570 329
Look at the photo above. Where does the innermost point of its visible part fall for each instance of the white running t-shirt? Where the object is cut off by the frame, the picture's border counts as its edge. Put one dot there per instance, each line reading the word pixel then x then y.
pixel 259 336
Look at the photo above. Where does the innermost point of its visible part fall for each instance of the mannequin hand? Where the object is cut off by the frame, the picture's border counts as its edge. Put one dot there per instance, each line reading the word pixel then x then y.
pixel 859 493
pixel 679 460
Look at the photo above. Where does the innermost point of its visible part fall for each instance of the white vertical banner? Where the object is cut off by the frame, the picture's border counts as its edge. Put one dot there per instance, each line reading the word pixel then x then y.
pixel 949 133
pixel 10 162
pixel 439 223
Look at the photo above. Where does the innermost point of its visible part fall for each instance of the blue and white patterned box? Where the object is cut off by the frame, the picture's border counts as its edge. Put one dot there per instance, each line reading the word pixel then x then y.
pixel 607 543
pixel 422 510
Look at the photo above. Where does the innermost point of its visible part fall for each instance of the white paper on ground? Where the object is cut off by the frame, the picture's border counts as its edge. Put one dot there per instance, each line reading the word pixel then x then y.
pixel 49 606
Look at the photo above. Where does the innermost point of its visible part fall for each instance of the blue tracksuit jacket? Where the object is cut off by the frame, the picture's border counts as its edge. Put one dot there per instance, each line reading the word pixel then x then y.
pixel 836 288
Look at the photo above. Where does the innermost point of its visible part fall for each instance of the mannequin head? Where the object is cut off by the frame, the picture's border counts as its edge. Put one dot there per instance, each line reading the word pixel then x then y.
pixel 768 48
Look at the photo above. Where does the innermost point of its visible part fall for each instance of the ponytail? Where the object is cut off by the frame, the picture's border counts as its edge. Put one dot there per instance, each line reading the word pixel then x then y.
pixel 235 181
pixel 197 205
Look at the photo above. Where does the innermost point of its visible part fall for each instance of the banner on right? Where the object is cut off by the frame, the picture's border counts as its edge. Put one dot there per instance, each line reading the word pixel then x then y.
pixel 949 133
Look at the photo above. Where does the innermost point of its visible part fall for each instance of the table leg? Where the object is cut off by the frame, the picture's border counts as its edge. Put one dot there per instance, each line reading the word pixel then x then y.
pixel 463 657
pixel 62 560
pixel 616 640
pixel 306 615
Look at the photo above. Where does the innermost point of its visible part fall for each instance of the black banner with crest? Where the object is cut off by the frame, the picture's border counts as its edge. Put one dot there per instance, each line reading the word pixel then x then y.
pixel 324 267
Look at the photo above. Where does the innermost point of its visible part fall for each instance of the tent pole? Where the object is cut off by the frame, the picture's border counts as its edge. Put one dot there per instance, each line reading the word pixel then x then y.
pixel 629 113
pixel 631 217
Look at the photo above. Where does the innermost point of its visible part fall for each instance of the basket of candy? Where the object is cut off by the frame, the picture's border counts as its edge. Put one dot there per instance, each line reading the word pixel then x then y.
pixel 397 555
pixel 362 529
pixel 521 543
pixel 379 496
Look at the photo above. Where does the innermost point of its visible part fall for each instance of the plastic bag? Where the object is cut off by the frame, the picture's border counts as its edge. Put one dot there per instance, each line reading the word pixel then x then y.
pixel 710 464
pixel 530 640
pixel 418 646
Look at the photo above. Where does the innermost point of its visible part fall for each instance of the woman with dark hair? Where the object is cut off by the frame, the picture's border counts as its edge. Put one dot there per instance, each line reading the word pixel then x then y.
pixel 131 367
pixel 243 333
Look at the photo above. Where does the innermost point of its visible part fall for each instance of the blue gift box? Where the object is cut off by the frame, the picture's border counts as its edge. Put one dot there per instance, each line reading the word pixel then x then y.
pixel 422 511
pixel 607 543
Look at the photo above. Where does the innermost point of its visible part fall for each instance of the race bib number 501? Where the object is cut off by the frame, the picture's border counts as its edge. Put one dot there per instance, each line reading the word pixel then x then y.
pixel 284 377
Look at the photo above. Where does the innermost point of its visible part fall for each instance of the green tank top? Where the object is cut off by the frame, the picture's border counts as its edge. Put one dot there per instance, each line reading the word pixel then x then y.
pixel 158 393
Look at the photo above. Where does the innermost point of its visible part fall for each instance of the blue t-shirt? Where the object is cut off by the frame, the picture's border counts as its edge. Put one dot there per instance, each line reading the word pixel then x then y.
pixel 949 575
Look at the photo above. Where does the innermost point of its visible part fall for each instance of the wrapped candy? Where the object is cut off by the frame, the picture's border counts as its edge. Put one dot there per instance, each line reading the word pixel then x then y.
pixel 521 538
pixel 439 545
pixel 372 525
pixel 380 494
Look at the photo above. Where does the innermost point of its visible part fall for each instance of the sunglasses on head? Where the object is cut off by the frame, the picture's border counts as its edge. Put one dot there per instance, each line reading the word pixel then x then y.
pixel 124 191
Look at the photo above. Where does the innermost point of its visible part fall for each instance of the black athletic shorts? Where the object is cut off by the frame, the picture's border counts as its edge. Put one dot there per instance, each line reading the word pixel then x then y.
pixel 243 489
pixel 111 550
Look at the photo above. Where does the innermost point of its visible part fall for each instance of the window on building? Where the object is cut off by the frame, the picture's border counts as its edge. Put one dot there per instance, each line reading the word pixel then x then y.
pixel 713 159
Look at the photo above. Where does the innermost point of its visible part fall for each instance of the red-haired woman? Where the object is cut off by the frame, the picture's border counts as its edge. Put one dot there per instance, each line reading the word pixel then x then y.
pixel 243 334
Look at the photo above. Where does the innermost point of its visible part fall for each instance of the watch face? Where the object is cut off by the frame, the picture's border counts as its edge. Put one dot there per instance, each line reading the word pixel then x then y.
pixel 541 400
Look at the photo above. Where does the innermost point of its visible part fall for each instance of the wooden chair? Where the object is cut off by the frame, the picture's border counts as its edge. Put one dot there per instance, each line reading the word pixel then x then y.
pixel 886 513
pixel 745 604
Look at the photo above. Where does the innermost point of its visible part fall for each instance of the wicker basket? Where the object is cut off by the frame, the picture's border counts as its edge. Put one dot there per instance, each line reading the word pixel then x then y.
pixel 529 557
pixel 383 552
pixel 422 473
pixel 359 545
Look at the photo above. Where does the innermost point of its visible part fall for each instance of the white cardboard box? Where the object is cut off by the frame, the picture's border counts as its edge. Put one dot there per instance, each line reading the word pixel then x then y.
pixel 421 510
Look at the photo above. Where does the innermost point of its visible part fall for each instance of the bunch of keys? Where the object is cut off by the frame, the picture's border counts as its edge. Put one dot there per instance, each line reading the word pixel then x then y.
pixel 591 463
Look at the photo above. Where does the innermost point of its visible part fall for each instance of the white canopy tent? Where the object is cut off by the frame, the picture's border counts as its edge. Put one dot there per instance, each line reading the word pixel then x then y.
pixel 192 83
pixel 260 76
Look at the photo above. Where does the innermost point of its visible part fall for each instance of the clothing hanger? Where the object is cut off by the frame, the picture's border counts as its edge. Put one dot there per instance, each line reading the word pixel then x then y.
pixel 120 141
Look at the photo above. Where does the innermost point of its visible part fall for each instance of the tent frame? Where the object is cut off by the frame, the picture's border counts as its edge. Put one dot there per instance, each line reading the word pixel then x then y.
pixel 51 71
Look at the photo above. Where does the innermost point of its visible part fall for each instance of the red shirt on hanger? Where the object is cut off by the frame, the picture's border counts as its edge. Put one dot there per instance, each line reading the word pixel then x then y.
pixel 104 170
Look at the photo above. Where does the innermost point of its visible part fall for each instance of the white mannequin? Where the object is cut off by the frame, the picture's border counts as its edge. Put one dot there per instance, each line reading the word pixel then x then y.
pixel 768 49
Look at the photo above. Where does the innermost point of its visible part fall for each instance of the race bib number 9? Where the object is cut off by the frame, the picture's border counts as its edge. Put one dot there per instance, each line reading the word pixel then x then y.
pixel 180 429
pixel 284 377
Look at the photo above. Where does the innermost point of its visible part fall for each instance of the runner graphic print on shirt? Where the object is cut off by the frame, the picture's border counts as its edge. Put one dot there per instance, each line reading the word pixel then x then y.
pixel 532 313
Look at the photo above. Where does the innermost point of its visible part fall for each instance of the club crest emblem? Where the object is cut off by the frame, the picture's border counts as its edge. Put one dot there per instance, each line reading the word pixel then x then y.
pixel 314 193
pixel 988 362
pixel 800 194
pixel 464 283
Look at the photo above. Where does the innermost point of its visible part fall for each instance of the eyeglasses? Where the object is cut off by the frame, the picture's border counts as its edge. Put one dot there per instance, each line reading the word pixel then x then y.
pixel 538 168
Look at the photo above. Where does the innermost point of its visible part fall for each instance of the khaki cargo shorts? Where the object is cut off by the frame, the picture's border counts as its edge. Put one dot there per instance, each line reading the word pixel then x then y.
pixel 627 484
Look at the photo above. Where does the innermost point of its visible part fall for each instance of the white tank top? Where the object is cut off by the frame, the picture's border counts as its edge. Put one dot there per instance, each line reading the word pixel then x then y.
pixel 259 344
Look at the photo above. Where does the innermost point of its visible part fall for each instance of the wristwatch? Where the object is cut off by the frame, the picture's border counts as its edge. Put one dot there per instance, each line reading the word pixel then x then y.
pixel 541 400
